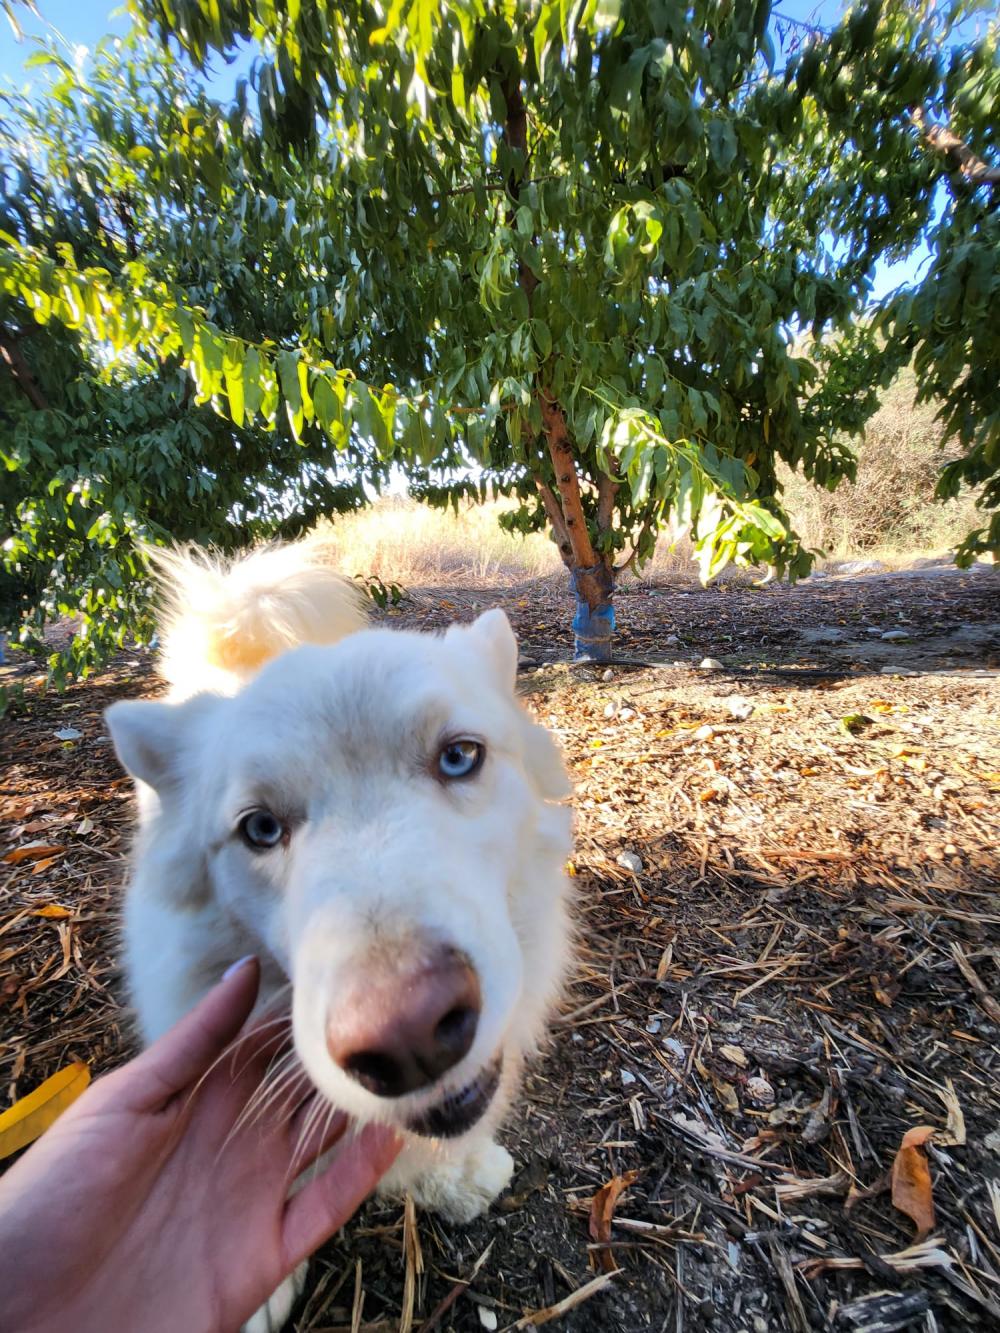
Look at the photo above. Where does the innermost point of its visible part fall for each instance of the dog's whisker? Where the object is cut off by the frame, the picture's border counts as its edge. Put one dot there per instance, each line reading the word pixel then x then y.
pixel 290 1085
pixel 278 1078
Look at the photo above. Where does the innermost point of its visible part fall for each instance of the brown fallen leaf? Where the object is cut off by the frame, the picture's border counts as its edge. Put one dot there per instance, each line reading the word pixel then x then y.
pixel 602 1210
pixel 32 851
pixel 911 1181
pixel 52 912
pixel 29 1117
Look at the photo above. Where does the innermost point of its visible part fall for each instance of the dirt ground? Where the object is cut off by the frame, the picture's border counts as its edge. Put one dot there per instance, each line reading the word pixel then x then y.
pixel 788 883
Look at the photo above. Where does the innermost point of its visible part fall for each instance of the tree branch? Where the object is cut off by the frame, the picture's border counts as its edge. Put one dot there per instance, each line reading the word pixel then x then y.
pixel 607 490
pixel 555 517
pixel 13 359
pixel 567 482
pixel 960 156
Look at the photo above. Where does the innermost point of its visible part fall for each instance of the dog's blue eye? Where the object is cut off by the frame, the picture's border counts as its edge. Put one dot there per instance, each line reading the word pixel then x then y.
pixel 459 759
pixel 261 830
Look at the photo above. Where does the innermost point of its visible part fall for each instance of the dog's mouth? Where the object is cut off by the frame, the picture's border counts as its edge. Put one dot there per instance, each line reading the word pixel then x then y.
pixel 460 1110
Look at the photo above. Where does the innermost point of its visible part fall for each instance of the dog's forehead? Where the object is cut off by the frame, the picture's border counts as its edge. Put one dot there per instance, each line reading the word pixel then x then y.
pixel 378 684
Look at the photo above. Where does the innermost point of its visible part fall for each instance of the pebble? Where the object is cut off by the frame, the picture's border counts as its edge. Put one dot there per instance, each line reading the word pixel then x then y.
pixel 676 1048
pixel 67 734
pixel 704 733
pixel 895 635
pixel 629 861
pixel 759 1324
pixel 610 710
pixel 739 708
pixel 487 1318
pixel 627 1078
pixel 760 1091
pixel 608 675
pixel 672 639
pixel 654 1025
pixel 627 714
pixel 710 664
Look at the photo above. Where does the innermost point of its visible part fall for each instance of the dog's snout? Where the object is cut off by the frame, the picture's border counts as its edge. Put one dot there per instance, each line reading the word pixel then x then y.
pixel 404 1031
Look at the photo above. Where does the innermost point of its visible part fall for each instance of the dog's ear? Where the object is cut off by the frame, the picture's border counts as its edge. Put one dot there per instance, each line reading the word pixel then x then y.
pixel 149 737
pixel 544 762
pixel 492 634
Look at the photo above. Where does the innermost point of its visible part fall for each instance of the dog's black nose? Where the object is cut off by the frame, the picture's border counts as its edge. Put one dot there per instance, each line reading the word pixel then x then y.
pixel 405 1030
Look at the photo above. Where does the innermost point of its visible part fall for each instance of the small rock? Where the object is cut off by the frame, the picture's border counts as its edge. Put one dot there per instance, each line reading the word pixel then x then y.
pixel 627 1078
pixel 676 1048
pixel 739 708
pixel 608 675
pixel 610 710
pixel 950 849
pixel 759 1324
pixel 627 714
pixel 67 734
pixel 672 639
pixel 760 1091
pixel 524 662
pixel 873 630
pixel 710 664
pixel 487 1318
pixel 680 664
pixel 704 733
pixel 895 635
pixel 629 861
pixel 654 1024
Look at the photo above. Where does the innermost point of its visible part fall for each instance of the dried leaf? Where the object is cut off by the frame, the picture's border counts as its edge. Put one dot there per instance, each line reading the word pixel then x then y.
pixel 602 1210
pixel 734 1055
pixel 32 851
pixel 52 912
pixel 911 1181
pixel 32 1115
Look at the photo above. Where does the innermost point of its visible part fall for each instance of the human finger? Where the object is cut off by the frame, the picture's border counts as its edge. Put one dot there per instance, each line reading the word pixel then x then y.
pixel 328 1201
pixel 185 1053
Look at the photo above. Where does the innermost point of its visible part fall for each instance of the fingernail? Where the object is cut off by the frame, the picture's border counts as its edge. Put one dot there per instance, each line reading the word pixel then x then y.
pixel 235 967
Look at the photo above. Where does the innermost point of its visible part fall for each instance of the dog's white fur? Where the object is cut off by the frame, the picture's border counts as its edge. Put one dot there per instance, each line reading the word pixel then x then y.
pixel 336 726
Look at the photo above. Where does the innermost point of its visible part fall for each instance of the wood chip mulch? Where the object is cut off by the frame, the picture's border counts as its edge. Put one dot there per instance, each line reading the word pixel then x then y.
pixel 788 887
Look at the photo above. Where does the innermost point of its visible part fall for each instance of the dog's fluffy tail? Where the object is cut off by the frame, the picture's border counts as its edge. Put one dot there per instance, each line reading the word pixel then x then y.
pixel 221 619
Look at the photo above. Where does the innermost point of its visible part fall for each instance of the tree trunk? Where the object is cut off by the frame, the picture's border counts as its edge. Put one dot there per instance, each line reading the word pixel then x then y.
pixel 591 576
pixel 594 622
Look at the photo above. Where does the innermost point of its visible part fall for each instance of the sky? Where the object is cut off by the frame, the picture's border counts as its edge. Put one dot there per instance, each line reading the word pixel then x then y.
pixel 85 22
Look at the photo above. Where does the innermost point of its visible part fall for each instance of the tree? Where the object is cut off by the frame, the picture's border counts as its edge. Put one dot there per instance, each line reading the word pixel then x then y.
pixel 612 255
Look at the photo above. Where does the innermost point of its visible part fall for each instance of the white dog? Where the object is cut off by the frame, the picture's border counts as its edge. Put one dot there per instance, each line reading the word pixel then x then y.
pixel 372 813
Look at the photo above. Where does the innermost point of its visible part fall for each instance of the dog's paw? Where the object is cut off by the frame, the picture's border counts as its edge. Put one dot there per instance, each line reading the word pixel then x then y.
pixel 273 1314
pixel 462 1190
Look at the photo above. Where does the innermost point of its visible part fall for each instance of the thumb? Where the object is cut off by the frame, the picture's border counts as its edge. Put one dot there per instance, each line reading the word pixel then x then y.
pixel 328 1201
pixel 184 1054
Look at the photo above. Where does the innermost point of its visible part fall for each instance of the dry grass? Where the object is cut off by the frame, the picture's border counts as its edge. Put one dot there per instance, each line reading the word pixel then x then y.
pixel 401 541
pixel 890 511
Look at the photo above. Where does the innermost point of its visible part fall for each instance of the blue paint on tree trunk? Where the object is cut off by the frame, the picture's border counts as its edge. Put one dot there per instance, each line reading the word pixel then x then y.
pixel 593 628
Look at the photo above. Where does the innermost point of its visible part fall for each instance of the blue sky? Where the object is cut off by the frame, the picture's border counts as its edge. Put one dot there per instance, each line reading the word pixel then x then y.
pixel 85 22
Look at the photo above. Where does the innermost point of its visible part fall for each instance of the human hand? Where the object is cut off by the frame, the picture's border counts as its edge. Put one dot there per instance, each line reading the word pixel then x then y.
pixel 149 1205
